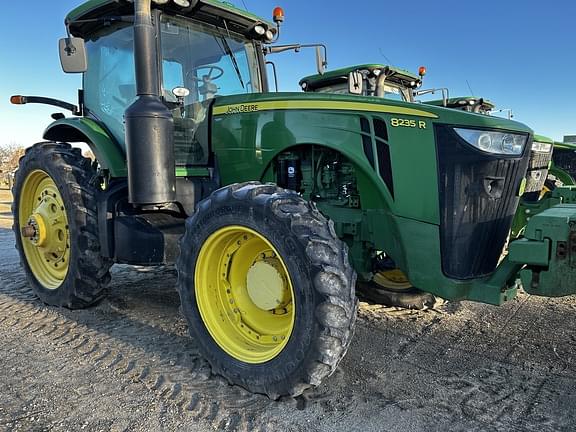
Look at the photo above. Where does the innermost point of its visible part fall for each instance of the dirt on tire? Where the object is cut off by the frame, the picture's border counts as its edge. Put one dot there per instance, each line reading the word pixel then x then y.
pixel 128 364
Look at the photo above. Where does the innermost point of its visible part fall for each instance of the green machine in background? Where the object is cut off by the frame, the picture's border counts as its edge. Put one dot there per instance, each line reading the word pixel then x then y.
pixel 563 168
pixel 557 188
pixel 269 204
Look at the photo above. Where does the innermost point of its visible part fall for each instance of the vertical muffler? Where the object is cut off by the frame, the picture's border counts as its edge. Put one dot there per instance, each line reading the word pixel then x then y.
pixel 149 123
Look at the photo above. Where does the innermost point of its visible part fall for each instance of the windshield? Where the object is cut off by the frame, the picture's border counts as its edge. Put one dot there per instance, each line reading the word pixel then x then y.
pixel 206 60
pixel 394 92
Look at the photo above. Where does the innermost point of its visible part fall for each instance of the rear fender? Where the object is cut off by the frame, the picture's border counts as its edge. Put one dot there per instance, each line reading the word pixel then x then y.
pixel 108 153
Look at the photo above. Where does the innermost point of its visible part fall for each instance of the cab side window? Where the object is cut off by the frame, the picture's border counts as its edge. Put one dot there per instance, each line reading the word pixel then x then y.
pixel 110 82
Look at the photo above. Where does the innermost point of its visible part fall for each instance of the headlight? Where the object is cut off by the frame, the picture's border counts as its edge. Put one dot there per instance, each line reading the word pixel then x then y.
pixel 494 142
pixel 541 147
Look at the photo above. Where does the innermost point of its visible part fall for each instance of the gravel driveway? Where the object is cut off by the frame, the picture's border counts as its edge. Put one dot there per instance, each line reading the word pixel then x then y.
pixel 128 364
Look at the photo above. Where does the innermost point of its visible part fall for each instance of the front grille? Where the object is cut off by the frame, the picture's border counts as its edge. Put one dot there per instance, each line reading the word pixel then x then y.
pixel 565 159
pixel 478 199
pixel 539 160
pixel 537 171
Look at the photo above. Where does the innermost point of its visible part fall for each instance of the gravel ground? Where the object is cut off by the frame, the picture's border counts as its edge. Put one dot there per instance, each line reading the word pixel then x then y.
pixel 128 364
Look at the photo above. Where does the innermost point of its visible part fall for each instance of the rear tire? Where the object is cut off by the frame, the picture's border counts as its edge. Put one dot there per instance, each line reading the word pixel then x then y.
pixel 322 302
pixel 54 191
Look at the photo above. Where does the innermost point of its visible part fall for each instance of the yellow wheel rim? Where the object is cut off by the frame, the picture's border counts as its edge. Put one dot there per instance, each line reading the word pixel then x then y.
pixel 393 279
pixel 44 229
pixel 244 294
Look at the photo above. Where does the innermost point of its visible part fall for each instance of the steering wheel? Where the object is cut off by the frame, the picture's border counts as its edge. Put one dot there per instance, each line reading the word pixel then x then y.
pixel 208 77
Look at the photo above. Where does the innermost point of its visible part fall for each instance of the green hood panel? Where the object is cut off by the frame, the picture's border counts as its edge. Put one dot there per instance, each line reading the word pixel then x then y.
pixel 543 139
pixel 255 102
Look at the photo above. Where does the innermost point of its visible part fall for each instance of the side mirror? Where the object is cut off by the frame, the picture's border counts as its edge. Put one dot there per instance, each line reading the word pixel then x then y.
pixel 355 83
pixel 73 55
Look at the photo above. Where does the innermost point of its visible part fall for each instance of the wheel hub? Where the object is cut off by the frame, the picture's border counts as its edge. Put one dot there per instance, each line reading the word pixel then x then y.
pixel 49 225
pixel 244 294
pixel 266 287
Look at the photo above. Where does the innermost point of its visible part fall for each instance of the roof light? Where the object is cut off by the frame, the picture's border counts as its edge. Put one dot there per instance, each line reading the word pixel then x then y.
pixel 182 3
pixel 160 2
pixel 421 71
pixel 18 100
pixel 269 36
pixel 278 14
pixel 259 30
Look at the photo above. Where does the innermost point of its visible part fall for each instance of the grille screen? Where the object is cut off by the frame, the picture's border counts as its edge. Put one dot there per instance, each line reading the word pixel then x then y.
pixel 477 203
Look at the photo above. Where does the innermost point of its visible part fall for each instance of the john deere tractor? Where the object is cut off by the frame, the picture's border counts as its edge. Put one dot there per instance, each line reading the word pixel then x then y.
pixel 270 204
pixel 563 167
pixel 393 83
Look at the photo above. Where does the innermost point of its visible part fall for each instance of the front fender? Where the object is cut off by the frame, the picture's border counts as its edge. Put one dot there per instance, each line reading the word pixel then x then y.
pixel 246 145
pixel 108 153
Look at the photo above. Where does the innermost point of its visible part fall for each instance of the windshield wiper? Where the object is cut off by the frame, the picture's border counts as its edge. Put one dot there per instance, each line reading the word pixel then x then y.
pixel 228 51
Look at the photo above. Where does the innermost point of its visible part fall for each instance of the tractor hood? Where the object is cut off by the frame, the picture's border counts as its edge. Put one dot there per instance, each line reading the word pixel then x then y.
pixel 543 139
pixel 88 16
pixel 563 145
pixel 237 104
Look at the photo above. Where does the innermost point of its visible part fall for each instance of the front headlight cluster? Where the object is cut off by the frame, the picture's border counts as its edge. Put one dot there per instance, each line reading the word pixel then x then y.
pixel 494 142
pixel 541 147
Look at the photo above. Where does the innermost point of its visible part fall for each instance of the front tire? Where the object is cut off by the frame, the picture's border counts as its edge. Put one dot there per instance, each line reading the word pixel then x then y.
pixel 56 228
pixel 266 288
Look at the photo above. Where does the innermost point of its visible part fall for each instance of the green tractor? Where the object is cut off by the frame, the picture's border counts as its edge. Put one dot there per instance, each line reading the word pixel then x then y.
pixel 557 185
pixel 269 204
pixel 563 167
pixel 394 83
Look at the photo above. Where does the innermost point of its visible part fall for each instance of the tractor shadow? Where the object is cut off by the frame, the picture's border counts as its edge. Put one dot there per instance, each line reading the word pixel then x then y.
pixel 140 322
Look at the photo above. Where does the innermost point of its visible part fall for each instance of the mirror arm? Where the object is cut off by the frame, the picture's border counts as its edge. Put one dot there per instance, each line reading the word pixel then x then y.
pixel 49 101
pixel 322 62
pixel 444 90
pixel 295 47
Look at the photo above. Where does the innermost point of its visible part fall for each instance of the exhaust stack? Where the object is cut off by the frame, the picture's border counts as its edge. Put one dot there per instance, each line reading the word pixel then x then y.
pixel 149 123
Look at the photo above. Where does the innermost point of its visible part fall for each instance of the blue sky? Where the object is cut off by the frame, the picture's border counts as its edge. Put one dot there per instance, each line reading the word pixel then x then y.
pixel 519 54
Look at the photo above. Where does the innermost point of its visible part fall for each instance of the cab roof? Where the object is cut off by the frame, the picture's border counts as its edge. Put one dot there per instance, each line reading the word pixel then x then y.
pixel 460 101
pixel 80 19
pixel 318 80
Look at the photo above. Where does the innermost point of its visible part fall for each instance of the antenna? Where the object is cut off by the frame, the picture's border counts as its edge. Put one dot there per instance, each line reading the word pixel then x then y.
pixel 385 58
pixel 245 7
pixel 470 88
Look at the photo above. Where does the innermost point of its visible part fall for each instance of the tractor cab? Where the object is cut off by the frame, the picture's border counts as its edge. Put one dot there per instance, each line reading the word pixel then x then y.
pixel 466 103
pixel 218 52
pixel 365 80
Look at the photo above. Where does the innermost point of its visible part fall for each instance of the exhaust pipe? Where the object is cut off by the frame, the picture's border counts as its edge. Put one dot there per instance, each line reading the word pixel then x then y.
pixel 149 123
